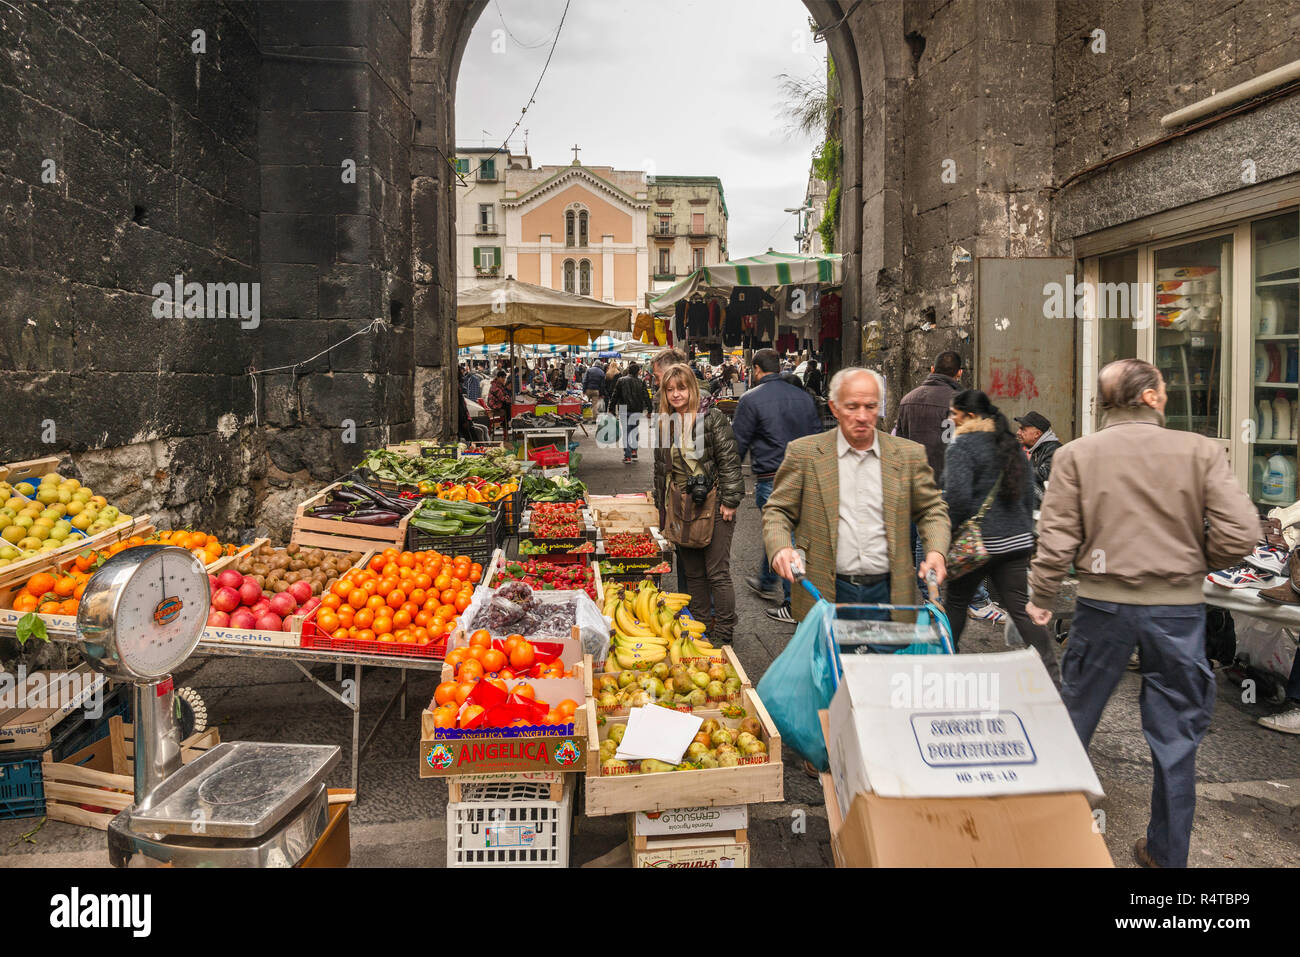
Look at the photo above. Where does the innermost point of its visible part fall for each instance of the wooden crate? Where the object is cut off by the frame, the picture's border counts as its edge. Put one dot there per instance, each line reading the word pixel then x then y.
pixel 15 472
pixel 25 729
pixel 102 775
pixel 22 570
pixel 344 536
pixel 744 784
pixel 334 847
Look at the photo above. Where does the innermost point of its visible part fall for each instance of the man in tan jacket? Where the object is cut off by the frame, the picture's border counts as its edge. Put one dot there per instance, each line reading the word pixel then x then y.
pixel 1128 507
pixel 847 498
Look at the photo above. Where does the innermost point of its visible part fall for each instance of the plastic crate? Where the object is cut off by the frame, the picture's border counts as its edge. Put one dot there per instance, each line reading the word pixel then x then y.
pixel 512 510
pixel 549 458
pixel 313 637
pixel 22 786
pixel 510 824
pixel 478 547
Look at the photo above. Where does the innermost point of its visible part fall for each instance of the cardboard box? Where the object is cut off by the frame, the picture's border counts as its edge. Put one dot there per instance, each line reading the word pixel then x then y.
pixel 1029 830
pixel 689 820
pixel 944 726
pixel 718 852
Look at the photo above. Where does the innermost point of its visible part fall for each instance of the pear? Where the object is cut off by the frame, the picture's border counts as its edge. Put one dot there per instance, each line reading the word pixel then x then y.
pixel 703 738
pixel 728 759
pixel 660 670
pixel 729 671
pixel 716 672
pixel 721 737
pixel 696 750
pixel 613 766
pixel 744 740
pixel 607 700
pixel 709 725
pixel 608 683
pixel 715 690
pixel 626 678
pixel 697 698
pixel 725 749
pixel 616 733
pixel 651 766
pixel 752 725
pixel 708 761
pixel 701 679
pixel 731 685
pixel 755 747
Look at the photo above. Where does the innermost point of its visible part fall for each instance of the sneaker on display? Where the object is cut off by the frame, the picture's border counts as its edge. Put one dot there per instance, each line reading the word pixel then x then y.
pixel 1288 721
pixel 990 612
pixel 782 614
pixel 1268 558
pixel 1245 576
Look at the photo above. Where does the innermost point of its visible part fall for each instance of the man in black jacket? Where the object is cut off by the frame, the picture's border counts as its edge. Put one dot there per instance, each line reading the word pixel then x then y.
pixel 1036 435
pixel 632 401
pixel 593 383
pixel 770 416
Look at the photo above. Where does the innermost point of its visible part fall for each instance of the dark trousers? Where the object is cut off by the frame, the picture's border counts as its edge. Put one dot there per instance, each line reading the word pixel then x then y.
pixel 708 580
pixel 766 577
pixel 846 593
pixel 1009 574
pixel 1176 701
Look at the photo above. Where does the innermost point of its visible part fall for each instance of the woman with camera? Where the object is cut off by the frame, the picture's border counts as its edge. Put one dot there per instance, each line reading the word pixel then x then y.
pixel 697 487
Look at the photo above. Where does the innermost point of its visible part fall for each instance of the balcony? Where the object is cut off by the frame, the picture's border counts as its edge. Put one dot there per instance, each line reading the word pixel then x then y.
pixel 663 229
pixel 664 276
pixel 485 229
pixel 487 272
pixel 699 232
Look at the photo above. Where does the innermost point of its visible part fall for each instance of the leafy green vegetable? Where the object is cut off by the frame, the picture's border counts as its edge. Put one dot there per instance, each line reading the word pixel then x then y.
pixel 29 626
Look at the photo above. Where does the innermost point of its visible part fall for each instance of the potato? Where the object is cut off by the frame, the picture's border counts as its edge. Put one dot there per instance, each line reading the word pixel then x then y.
pixel 292 550
pixel 279 585
pixel 297 565
pixel 260 568
pixel 317 587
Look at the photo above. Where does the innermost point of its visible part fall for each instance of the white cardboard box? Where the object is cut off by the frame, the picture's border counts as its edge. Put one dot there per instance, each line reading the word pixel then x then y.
pixel 953 726
pixel 690 820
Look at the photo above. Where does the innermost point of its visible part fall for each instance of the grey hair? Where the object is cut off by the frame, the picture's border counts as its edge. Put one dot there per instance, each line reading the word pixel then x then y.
pixel 1120 384
pixel 840 378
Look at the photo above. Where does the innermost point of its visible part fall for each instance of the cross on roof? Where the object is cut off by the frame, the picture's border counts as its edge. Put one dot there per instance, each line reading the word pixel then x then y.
pixel 575 154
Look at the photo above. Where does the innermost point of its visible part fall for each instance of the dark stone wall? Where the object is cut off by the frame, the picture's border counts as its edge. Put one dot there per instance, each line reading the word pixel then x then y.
pixel 155 173
pixel 335 251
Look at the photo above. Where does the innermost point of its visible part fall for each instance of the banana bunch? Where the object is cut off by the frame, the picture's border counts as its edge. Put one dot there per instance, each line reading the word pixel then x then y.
pixel 648 627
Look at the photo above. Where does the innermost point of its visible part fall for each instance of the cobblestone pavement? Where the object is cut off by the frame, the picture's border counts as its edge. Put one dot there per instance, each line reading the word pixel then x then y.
pixel 1246 813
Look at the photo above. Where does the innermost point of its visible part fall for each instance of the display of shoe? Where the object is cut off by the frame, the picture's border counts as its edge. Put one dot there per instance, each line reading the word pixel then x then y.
pixel 781 613
pixel 990 612
pixel 1288 721
pixel 1268 559
pixel 755 586
pixel 1245 576
pixel 1283 594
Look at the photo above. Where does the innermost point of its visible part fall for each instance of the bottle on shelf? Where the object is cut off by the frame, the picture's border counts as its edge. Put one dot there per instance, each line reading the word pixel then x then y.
pixel 1261 362
pixel 1274 362
pixel 1279 479
pixel 1292 353
pixel 1282 426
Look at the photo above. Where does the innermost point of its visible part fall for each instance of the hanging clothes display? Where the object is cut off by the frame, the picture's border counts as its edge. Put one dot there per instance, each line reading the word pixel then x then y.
pixel 697 319
pixel 731 326
pixel 828 309
pixel 765 326
pixel 679 319
pixel 749 299
pixel 787 342
pixel 715 355
pixel 715 317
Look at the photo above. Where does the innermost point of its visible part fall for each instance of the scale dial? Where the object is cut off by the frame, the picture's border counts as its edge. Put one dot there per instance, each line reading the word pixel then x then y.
pixel 143 612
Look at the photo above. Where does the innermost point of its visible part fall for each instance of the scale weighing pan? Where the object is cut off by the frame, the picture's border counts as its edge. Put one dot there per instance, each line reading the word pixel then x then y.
pixel 239 789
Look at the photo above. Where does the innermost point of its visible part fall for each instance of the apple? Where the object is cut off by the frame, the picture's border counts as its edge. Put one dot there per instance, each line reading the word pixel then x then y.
pixel 213 584
pixel 269 621
pixel 242 618
pixel 301 591
pixel 225 600
pixel 282 605
pixel 261 608
pixel 231 578
pixel 249 592
pixel 310 605
pixel 219 618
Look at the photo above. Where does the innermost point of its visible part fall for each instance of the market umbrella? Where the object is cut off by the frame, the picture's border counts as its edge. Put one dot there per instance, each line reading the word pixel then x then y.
pixel 507 310
pixel 767 270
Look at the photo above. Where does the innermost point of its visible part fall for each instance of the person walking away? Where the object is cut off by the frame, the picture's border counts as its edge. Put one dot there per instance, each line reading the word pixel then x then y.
pixel 923 417
pixel 593 384
pixel 813 379
pixel 1036 435
pixel 570 370
pixel 631 401
pixel 1128 507
pixel 986 474
pixel 846 497
pixel 768 418
pixel 698 484
pixel 498 400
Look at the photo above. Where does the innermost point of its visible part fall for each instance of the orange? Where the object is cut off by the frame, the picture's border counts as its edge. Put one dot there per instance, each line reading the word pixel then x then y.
pixel 421 581
pixel 421 634
pixel 422 618
pixel 456 656
pixel 462 602
pixel 418 597
pixel 448 596
pixel 410 607
pixel 441 582
pixel 80 590
pixel 331 601
pixel 357 598
pixel 64 586
pixel 463 691
pixel 388 638
pixel 327 620
pixel 405 638
pixel 471 669
pixel 68 607
pixel 40 583
pixel 376 563
pixel 471 712
pixel 445 692
pixel 340 635
pixel 375 602
pixel 444 612
pixel 26 602
pixel 389 554
pixel 341 588
pixel 383 626
pixel 493 660
pixel 512 641
pixel 401 619
pixel 497 682
pixel 396 598
pixel 481 638
pixel 554 717
pixel 567 707
pixel 523 656
pixel 385 586
pixel 445 717
pixel 476 652
pixel 524 691
pixel 505 674
pixel 364 618
pixel 346 615
pixel 365 634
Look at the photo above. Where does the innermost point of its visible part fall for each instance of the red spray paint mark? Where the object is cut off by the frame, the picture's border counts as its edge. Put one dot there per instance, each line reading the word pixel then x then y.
pixel 1011 380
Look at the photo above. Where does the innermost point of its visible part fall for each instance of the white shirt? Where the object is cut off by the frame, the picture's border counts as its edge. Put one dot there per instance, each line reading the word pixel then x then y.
pixel 863 548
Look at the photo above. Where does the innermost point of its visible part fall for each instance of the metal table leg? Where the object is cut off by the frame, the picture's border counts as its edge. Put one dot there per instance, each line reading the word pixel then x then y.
pixel 356 730
pixel 403 711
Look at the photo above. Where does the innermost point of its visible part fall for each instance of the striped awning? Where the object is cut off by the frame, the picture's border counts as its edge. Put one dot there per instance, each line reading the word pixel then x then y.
pixel 503 348
pixel 767 270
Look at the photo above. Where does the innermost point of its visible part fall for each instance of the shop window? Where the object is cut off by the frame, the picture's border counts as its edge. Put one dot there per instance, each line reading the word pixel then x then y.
pixel 1193 321
pixel 568 276
pixel 1117 328
pixel 584 277
pixel 1275 328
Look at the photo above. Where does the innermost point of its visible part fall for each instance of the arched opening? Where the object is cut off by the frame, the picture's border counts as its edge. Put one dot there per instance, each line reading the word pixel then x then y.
pixel 869 234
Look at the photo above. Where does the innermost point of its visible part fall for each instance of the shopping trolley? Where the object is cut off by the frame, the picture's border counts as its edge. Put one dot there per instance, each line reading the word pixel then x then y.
pixel 848 629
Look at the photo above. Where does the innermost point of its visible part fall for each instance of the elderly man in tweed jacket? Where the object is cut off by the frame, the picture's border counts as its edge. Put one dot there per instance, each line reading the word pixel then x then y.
pixel 846 497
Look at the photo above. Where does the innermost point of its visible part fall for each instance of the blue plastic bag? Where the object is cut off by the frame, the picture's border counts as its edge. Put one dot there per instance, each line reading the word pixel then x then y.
pixel 801 682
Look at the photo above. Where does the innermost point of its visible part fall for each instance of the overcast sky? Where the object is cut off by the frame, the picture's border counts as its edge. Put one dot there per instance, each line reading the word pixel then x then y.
pixel 677 87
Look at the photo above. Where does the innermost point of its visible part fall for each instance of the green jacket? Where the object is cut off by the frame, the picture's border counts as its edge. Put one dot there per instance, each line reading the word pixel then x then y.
pixel 721 462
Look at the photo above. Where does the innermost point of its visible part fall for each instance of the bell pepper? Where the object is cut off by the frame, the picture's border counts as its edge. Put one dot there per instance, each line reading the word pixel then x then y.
pixel 456 494
pixel 473 495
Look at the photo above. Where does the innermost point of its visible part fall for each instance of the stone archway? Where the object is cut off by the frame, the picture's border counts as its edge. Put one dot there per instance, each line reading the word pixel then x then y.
pixel 870 213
